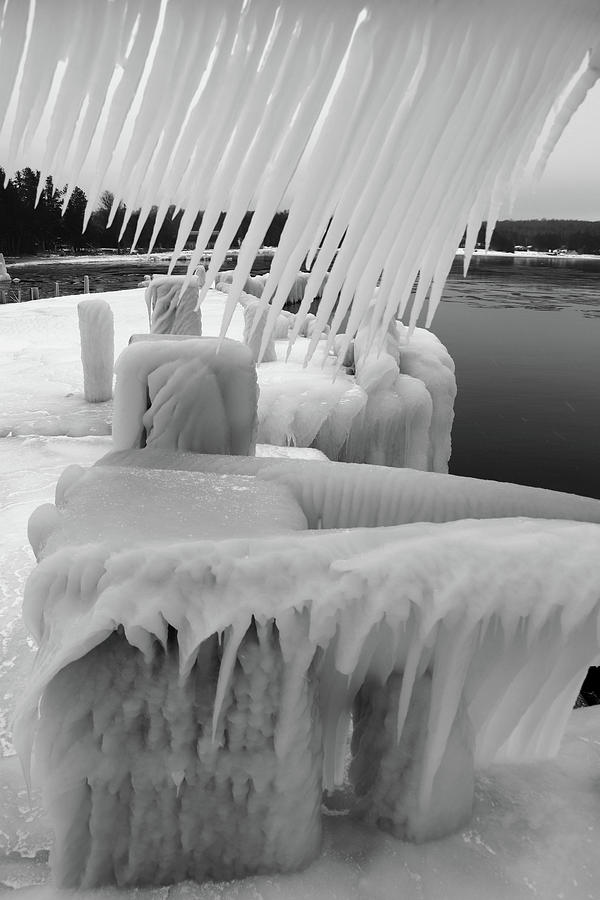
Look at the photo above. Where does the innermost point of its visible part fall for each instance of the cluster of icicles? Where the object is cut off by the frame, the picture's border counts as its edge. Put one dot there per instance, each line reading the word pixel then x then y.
pixel 390 125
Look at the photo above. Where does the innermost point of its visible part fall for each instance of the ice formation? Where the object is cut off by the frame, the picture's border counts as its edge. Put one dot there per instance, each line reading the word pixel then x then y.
pixel 192 394
pixel 97 333
pixel 255 319
pixel 393 408
pixel 385 129
pixel 390 125
pixel 380 414
pixel 211 662
pixel 254 284
pixel 171 302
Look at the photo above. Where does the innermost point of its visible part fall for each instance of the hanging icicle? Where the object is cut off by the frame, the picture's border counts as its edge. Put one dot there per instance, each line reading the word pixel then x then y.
pixel 384 128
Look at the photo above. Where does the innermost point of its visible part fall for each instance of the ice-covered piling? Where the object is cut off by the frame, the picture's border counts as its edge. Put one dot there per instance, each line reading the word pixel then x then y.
pixel 97 332
pixel 172 302
pixel 198 394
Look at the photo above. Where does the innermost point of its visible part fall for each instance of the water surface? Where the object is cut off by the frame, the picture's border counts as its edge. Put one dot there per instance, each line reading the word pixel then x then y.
pixel 525 336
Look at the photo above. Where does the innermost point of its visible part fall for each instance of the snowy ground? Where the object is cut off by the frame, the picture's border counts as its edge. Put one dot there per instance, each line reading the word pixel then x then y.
pixel 534 833
pixel 535 828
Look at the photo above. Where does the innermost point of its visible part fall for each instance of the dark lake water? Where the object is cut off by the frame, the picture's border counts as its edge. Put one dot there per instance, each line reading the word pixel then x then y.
pixel 115 275
pixel 525 337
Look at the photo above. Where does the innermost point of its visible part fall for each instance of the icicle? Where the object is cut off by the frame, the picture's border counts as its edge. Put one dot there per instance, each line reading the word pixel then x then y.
pixel 453 652
pixel 232 640
pixel 371 122
pixel 571 103
pixel 298 653
pixel 335 713
pixel 277 178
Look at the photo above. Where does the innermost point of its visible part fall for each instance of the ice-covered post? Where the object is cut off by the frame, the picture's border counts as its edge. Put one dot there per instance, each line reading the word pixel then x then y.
pixel 172 302
pixel 96 329
pixel 195 395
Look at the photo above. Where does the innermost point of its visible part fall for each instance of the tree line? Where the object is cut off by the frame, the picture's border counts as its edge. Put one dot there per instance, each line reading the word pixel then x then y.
pixel 26 228
pixel 544 234
pixel 29 229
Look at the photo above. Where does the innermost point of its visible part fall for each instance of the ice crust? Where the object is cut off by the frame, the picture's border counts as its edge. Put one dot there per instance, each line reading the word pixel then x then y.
pixel 464 641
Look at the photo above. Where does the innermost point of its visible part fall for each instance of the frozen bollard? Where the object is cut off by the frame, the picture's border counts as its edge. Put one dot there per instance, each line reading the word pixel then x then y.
pixel 96 329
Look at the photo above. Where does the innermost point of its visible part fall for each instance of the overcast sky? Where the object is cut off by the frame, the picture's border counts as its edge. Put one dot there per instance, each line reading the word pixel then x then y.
pixel 570 186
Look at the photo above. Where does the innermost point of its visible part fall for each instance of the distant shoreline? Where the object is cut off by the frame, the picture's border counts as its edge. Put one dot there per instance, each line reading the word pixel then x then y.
pixel 165 256
pixel 531 254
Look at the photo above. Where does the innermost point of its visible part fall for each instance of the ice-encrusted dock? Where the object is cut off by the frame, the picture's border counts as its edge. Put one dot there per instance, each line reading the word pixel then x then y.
pixel 199 661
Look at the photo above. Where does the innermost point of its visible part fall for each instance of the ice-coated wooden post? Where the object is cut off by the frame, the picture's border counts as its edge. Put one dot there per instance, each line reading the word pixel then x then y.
pixel 97 332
